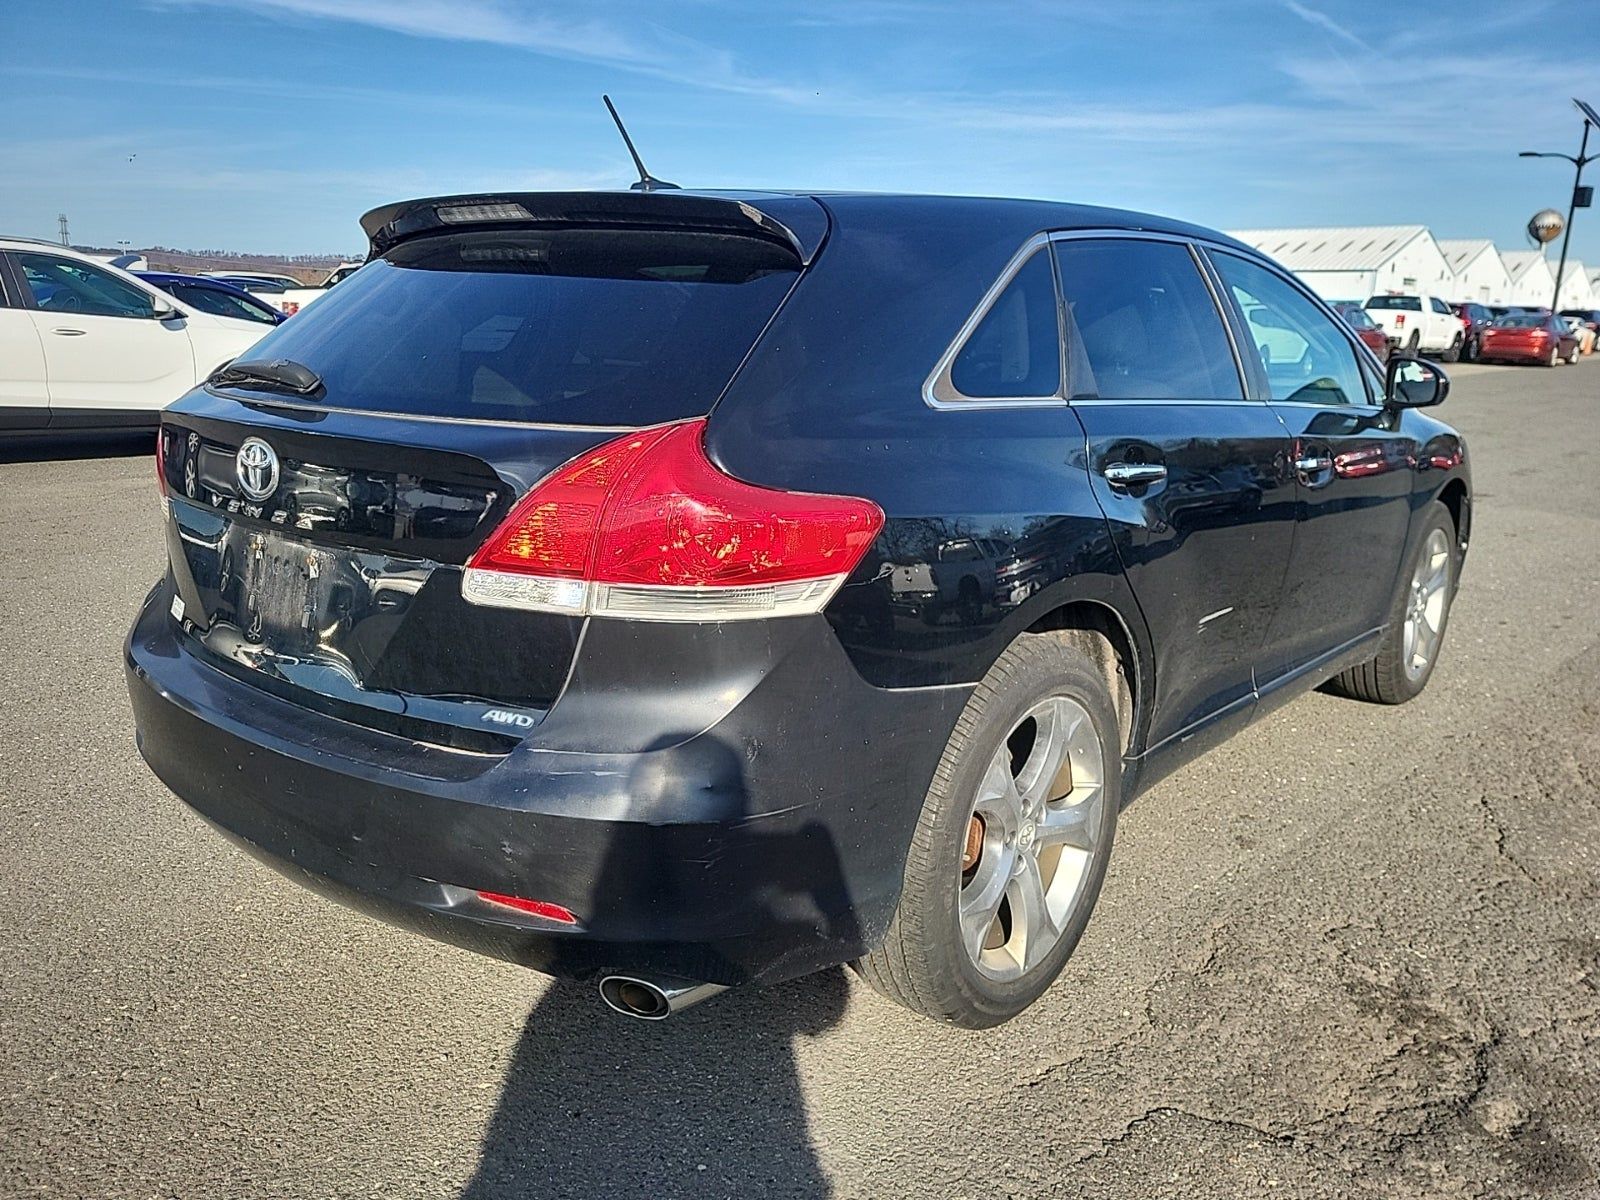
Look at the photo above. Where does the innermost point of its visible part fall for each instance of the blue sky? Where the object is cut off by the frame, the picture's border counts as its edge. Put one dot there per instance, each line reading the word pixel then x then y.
pixel 270 125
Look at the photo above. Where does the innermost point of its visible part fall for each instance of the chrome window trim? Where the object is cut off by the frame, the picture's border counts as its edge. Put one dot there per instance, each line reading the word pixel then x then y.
pixel 939 392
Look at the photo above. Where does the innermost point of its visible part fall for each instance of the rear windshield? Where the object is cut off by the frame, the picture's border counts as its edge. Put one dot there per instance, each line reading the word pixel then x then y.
pixel 574 327
pixel 1522 321
pixel 1409 303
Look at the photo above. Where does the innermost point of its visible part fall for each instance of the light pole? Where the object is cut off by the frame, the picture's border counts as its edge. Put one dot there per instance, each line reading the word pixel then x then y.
pixel 1590 117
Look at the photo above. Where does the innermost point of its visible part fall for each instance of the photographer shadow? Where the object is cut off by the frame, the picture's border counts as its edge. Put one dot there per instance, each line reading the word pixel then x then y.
pixel 707 1102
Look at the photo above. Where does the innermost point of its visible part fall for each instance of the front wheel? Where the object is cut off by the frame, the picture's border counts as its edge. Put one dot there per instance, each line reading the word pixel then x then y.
pixel 1555 356
pixel 1572 359
pixel 1012 843
pixel 1421 609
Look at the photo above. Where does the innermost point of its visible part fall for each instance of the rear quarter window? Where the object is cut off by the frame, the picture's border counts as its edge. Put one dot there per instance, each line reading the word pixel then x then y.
pixel 585 327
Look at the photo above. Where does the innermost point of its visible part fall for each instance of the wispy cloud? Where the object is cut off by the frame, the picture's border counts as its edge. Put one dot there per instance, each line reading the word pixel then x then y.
pixel 1325 23
pixel 643 48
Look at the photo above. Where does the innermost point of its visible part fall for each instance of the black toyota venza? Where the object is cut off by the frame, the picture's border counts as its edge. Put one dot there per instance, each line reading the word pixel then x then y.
pixel 679 590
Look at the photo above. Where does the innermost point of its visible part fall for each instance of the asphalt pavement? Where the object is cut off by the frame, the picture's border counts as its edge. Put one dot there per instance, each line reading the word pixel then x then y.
pixel 1354 953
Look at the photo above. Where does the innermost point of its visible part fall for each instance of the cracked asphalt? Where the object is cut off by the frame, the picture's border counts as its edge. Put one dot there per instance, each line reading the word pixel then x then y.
pixel 1355 953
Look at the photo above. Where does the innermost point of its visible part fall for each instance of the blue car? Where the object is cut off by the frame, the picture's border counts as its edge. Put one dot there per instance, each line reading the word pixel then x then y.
pixel 213 296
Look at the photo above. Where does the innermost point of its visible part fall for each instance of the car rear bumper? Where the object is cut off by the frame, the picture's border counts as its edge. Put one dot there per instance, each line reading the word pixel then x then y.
pixel 1515 353
pixel 758 846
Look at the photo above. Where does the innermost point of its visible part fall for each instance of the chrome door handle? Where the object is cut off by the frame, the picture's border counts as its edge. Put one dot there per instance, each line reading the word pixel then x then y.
pixel 1312 463
pixel 64 332
pixel 1119 474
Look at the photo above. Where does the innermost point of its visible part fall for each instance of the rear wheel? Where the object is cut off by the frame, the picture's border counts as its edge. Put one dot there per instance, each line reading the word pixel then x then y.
pixel 1472 350
pixel 1410 647
pixel 1414 342
pixel 1453 354
pixel 1012 844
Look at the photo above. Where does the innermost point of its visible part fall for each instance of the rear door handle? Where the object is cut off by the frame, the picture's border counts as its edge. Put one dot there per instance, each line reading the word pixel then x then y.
pixel 64 332
pixel 1128 475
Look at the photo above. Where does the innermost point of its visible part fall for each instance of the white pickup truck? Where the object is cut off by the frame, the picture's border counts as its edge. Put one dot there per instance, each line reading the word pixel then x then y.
pixel 293 300
pixel 1419 324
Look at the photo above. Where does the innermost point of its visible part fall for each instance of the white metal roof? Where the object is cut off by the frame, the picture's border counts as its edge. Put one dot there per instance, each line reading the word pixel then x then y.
pixel 1459 252
pixel 1519 261
pixel 1332 248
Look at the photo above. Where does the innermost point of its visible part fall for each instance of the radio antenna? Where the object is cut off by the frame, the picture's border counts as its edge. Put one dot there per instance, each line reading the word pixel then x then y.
pixel 647 182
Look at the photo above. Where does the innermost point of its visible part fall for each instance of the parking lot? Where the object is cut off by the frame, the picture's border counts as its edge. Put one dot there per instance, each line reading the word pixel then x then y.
pixel 1353 953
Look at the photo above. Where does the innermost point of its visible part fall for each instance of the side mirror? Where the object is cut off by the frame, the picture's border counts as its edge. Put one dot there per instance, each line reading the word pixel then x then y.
pixel 163 310
pixel 1411 382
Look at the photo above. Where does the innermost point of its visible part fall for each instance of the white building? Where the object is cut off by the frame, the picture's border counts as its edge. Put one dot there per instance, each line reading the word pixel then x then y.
pixel 1480 272
pixel 1533 280
pixel 1576 291
pixel 1357 262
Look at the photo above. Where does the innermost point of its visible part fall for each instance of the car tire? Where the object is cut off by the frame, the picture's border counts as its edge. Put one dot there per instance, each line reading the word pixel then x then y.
pixel 1472 351
pixel 987 918
pixel 1414 342
pixel 1453 354
pixel 1394 675
pixel 1555 356
pixel 1572 359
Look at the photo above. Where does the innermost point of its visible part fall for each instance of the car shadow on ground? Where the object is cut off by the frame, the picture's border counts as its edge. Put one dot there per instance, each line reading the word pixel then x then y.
pixel 705 1103
pixel 62 448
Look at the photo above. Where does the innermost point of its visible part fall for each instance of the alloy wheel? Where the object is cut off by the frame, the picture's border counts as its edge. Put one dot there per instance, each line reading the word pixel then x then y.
pixel 1033 832
pixel 1428 598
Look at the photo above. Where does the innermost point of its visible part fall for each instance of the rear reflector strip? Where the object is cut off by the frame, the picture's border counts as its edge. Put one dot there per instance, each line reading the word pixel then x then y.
pixel 648 602
pixel 534 908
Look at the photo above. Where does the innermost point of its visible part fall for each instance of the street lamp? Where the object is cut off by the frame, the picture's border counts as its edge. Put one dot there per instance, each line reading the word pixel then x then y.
pixel 1583 157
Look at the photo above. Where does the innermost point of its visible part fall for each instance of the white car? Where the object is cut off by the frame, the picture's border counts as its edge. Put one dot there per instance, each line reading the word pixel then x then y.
pixel 1419 324
pixel 84 345
pixel 293 300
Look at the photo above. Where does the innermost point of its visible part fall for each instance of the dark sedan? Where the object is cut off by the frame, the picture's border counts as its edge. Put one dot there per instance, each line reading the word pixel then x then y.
pixel 1475 318
pixel 538 588
pixel 1529 337
pixel 214 296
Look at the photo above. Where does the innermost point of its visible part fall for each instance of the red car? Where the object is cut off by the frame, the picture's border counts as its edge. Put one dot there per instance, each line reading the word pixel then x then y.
pixel 1368 330
pixel 1529 337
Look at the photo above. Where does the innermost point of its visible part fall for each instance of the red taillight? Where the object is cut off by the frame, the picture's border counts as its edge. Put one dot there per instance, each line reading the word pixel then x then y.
pixel 1399 320
pixel 537 908
pixel 647 527
pixel 161 462
pixel 290 308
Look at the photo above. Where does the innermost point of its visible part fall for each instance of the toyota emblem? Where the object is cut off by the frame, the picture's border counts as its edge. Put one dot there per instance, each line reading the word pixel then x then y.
pixel 257 469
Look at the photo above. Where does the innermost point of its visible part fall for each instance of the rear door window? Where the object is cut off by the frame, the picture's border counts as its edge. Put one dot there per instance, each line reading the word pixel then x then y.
pixel 586 327
pixel 1141 323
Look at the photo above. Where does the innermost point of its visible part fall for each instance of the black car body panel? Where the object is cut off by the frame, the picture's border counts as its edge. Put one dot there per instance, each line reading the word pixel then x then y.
pixel 690 802
pixel 731 801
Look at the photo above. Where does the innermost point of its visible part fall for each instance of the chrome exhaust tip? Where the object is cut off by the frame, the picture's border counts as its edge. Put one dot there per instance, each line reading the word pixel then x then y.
pixel 653 999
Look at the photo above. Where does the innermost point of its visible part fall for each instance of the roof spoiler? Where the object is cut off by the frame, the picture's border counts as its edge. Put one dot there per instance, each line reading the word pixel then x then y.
pixel 801 230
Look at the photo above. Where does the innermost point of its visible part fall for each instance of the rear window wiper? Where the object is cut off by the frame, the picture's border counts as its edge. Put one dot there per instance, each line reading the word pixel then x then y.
pixel 273 374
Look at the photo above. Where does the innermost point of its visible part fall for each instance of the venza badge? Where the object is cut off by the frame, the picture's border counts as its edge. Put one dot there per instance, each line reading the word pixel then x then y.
pixel 257 469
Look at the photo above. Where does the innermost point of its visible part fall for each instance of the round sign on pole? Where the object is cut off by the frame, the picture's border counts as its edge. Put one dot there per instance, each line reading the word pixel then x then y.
pixel 1545 226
